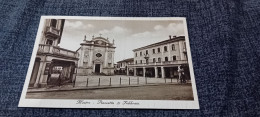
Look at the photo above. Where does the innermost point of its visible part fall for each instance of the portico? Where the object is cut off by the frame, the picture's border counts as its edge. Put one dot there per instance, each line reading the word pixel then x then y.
pixel 160 60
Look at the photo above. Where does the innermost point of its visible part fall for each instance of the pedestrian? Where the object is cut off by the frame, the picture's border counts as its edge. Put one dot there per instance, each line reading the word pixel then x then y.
pixel 183 78
pixel 180 71
pixel 59 79
pixel 49 78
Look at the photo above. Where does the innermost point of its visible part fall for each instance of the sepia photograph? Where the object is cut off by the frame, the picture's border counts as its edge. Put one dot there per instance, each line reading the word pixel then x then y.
pixel 111 62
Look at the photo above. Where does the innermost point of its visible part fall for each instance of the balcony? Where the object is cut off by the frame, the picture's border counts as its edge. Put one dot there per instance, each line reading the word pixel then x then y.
pixel 163 63
pixel 53 50
pixel 53 32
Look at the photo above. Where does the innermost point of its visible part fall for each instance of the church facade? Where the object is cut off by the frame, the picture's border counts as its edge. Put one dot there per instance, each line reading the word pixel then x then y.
pixel 96 57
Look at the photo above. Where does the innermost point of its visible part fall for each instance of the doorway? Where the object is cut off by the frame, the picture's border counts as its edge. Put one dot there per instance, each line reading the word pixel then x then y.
pixel 97 68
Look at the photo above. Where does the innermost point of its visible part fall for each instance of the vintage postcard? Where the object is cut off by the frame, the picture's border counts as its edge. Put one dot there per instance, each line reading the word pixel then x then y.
pixel 111 62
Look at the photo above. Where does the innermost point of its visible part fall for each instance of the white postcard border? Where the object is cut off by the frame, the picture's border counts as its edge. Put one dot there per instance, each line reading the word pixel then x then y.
pixel 90 103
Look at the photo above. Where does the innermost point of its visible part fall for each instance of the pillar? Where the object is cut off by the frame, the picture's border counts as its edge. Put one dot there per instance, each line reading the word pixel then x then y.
pixel 91 56
pixel 43 79
pixel 81 57
pixel 36 84
pixel 162 70
pixel 156 72
pixel 105 64
pixel 144 71
pixel 127 71
pixel 135 71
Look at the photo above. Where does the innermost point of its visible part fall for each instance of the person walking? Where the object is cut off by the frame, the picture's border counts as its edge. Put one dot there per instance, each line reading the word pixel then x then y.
pixel 183 78
pixel 59 79
pixel 180 71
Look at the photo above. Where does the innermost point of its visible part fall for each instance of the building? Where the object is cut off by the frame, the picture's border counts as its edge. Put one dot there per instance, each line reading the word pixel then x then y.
pixel 162 59
pixel 51 60
pixel 96 57
pixel 122 66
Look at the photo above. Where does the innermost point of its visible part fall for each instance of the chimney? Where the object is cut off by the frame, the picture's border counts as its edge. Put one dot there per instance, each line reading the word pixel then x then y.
pixel 170 37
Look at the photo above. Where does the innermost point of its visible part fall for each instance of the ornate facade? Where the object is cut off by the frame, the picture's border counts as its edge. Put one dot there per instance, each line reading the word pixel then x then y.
pixel 96 57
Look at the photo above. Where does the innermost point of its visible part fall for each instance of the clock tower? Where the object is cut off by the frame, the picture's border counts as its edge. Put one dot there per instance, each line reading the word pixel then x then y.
pixel 96 57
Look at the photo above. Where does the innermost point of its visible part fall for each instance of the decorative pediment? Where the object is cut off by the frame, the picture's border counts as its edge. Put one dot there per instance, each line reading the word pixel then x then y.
pixel 100 42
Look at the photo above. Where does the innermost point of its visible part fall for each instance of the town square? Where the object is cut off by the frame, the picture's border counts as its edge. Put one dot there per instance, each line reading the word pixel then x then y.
pixel 104 65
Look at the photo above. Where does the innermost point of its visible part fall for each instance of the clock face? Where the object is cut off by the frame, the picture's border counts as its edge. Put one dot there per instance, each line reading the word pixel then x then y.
pixel 98 55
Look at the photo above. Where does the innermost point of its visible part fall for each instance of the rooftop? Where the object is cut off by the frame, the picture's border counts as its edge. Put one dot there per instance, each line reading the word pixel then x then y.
pixel 126 60
pixel 161 43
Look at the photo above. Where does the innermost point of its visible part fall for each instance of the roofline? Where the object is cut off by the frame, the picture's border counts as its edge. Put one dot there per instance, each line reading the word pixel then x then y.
pixel 160 43
pixel 129 59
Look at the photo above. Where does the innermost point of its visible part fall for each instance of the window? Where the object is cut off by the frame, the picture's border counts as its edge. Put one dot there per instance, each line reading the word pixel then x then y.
pixel 136 62
pixel 136 54
pixel 174 58
pixel 173 47
pixel 140 53
pixel 49 42
pixel 141 61
pixel 53 23
pixel 165 48
pixel 159 50
pixel 166 58
pixel 154 60
pixel 98 55
pixel 159 59
pixel 153 51
pixel 147 60
pixel 146 51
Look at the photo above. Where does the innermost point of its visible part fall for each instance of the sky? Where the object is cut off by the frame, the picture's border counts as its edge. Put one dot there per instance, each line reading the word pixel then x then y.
pixel 127 34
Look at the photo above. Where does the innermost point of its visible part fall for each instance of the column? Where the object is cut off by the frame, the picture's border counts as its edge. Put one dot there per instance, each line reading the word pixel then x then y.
pixel 155 72
pixel 81 57
pixel 135 71
pixel 113 58
pixel 105 64
pixel 127 71
pixel 43 79
pixel 90 56
pixel 162 70
pixel 144 71
pixel 36 84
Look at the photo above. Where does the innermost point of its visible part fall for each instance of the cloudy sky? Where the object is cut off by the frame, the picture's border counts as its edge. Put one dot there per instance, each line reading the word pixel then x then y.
pixel 128 34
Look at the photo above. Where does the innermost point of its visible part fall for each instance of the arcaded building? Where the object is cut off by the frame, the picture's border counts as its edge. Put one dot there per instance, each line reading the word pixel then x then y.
pixel 52 61
pixel 96 56
pixel 162 59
